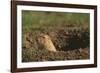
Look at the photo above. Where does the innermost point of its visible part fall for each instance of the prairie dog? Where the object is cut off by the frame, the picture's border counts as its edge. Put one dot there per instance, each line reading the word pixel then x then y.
pixel 45 42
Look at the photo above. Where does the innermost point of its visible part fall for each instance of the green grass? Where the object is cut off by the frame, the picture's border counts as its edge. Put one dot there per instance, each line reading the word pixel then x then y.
pixel 35 19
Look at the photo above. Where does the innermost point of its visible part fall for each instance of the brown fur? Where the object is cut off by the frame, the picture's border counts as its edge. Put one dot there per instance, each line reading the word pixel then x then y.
pixel 45 42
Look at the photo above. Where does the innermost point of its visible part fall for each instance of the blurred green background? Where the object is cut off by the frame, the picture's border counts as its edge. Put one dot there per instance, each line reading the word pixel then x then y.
pixel 39 19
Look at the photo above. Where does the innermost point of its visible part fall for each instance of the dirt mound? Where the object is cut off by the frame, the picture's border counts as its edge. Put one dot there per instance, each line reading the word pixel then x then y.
pixel 65 44
pixel 30 55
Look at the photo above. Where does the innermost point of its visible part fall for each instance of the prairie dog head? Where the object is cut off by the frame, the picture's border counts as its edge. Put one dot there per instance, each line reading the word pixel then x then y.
pixel 44 41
